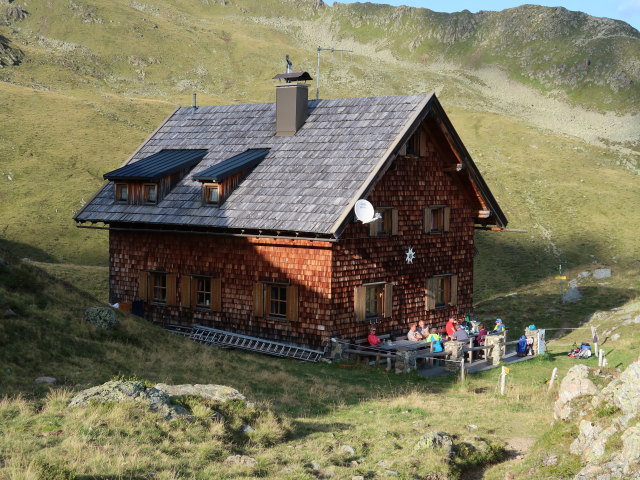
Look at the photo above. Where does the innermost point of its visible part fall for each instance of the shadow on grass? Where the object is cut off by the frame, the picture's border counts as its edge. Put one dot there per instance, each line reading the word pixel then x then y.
pixel 22 250
pixel 302 429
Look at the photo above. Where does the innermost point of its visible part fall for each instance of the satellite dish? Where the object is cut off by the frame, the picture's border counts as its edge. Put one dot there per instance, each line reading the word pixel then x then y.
pixel 365 212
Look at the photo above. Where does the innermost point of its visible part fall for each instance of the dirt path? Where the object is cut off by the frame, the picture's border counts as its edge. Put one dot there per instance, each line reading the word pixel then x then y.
pixel 517 448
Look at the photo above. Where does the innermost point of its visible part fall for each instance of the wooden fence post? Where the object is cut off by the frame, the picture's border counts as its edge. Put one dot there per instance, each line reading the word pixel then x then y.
pixel 553 377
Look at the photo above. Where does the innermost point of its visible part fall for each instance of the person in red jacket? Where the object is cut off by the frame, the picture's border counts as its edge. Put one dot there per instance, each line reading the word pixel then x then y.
pixel 373 338
pixel 450 327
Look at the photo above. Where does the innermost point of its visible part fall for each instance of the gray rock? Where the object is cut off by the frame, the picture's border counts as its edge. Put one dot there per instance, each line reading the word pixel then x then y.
pixel 435 440
pixel 584 274
pixel 588 433
pixel 614 337
pixel 471 427
pixel 600 273
pixel 384 463
pixel 550 460
pixel 50 380
pixel 631 446
pixel 129 391
pixel 212 393
pixel 9 313
pixel 241 460
pixel 247 429
pixel 391 472
pixel 347 449
pixel 316 466
pixel 575 384
pixel 101 317
pixel 624 392
pixel 357 477
pixel 326 474
pixel 572 295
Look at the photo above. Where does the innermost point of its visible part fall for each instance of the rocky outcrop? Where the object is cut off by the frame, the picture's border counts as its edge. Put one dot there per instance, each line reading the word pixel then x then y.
pixel 9 55
pixel 129 391
pixel 575 384
pixel 608 440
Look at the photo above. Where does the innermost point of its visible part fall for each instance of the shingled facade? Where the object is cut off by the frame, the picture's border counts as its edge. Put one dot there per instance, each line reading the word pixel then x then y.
pixel 252 230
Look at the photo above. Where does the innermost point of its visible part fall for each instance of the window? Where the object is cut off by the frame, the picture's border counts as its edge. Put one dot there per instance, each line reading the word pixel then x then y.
pixel 212 193
pixel 416 145
pixel 385 226
pixel 276 301
pixel 373 301
pixel 436 219
pixel 201 292
pixel 442 291
pixel 150 193
pixel 158 286
pixel 122 192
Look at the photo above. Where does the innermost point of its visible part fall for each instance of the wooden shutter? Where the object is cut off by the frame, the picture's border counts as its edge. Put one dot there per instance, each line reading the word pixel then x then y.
pixel 172 294
pixel 185 291
pixel 454 290
pixel 430 301
pixel 373 228
pixel 360 303
pixel 388 300
pixel 423 143
pixel 292 303
pixel 258 299
pixel 216 294
pixel 427 220
pixel 143 290
pixel 394 221
pixel 445 221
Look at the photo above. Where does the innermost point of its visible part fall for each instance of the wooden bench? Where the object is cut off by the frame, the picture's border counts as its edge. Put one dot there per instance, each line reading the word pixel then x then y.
pixel 363 350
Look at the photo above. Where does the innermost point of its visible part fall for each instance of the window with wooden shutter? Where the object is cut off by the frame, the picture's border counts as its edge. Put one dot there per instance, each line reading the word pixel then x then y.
pixel 442 291
pixel 292 303
pixel 258 299
pixel 143 290
pixel 436 219
pixel 385 226
pixel 388 300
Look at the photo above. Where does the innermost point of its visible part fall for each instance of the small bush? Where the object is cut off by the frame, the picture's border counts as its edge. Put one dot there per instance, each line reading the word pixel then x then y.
pixel 606 411
pixel 53 471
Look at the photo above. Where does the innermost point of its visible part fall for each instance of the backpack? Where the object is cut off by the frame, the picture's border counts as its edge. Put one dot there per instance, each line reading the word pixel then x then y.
pixel 437 346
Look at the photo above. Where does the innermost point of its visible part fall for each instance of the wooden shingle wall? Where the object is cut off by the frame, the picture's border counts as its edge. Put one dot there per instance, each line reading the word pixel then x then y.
pixel 239 263
pixel 412 184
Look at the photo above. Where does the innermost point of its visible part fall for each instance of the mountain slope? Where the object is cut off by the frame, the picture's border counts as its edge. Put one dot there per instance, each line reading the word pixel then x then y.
pixel 97 76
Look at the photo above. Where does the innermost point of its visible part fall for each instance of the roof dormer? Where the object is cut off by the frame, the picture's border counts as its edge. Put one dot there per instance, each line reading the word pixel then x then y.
pixel 219 180
pixel 148 181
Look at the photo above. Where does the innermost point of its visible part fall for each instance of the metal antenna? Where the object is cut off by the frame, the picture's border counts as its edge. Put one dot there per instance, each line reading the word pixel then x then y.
pixel 320 49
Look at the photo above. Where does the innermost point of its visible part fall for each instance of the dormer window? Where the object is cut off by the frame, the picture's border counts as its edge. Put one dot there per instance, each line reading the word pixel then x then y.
pixel 146 181
pixel 150 193
pixel 219 181
pixel 122 192
pixel 212 193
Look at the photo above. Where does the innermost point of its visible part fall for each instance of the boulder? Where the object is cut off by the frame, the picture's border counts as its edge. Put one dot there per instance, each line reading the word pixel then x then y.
pixel 588 433
pixel 129 391
pixel 210 392
pixel 575 384
pixel 600 273
pixel 572 295
pixel 101 317
pixel 631 447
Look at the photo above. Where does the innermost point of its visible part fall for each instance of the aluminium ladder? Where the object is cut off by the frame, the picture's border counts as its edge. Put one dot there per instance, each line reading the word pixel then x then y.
pixel 221 338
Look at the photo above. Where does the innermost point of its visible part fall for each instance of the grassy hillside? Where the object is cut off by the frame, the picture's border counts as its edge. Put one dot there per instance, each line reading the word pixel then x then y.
pixel 303 414
pixel 96 78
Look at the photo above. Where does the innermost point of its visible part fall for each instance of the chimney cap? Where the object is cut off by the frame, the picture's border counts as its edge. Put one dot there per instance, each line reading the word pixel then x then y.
pixel 293 76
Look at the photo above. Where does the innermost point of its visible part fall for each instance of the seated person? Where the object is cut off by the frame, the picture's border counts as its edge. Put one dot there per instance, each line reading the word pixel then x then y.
pixel 413 333
pixel 423 329
pixel 450 327
pixel 499 328
pixel 373 338
pixel 482 332
pixel 460 335
pixel 435 337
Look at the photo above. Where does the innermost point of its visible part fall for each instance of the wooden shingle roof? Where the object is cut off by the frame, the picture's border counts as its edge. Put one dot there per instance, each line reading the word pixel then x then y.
pixel 307 183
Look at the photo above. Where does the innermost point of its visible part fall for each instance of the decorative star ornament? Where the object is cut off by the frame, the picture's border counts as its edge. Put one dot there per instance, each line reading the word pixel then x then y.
pixel 410 255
